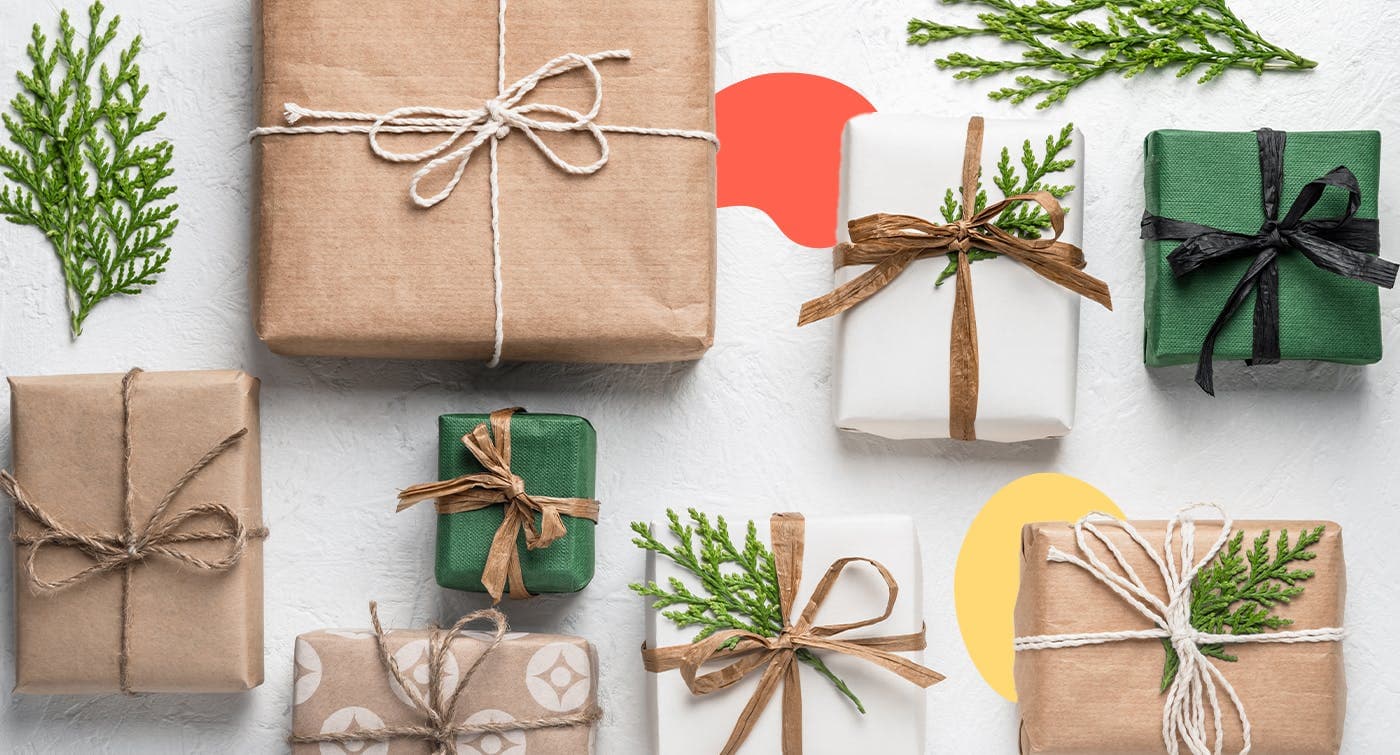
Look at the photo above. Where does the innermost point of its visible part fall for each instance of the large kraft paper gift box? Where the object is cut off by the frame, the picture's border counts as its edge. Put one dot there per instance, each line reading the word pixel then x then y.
pixel 188 584
pixel 893 370
pixel 613 266
pixel 1109 698
pixel 547 684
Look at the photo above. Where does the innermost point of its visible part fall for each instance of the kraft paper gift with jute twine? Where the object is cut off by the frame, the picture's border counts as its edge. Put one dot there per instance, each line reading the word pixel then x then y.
pixel 449 691
pixel 531 181
pixel 1099 599
pixel 536 521
pixel 138 536
pixel 742 653
pixel 892 242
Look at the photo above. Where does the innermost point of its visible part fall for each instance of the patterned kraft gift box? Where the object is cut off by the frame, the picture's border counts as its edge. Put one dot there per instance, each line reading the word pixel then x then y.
pixel 345 690
pixel 683 723
pixel 186 581
pixel 606 239
pixel 1109 697
pixel 553 456
pixel 900 370
pixel 1214 181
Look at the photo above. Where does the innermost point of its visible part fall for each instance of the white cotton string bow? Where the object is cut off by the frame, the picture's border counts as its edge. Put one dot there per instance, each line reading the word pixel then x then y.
pixel 1198 682
pixel 490 123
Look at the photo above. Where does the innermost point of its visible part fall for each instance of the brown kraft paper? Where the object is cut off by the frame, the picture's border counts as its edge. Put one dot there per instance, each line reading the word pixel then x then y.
pixel 191 630
pixel 1106 698
pixel 617 266
pixel 341 686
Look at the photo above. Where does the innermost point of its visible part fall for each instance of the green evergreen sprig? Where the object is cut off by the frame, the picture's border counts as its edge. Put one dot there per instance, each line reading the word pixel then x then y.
pixel 1025 219
pixel 738 586
pixel 1068 44
pixel 81 172
pixel 1237 592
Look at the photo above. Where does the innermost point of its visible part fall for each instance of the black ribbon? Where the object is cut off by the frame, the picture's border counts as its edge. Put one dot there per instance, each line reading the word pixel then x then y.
pixel 1345 245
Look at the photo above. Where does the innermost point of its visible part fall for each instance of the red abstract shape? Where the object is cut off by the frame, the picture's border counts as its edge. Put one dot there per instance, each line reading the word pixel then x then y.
pixel 780 139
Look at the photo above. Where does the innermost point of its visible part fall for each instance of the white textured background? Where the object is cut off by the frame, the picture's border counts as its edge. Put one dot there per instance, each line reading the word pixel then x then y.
pixel 746 430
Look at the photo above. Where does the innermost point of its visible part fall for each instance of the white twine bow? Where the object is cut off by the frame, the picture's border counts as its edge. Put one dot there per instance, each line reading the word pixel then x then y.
pixel 1198 682
pixel 490 123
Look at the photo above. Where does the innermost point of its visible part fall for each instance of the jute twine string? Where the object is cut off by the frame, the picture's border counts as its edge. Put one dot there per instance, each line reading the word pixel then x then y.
pixel 438 710
pixel 891 243
pixel 489 443
pixel 493 121
pixel 1198 682
pixel 160 534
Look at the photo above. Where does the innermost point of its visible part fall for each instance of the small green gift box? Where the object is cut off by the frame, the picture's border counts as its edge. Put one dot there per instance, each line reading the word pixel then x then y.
pixel 1260 247
pixel 515 502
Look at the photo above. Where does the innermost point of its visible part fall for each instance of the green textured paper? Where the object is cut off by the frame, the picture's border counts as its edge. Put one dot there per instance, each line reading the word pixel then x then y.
pixel 1213 179
pixel 555 454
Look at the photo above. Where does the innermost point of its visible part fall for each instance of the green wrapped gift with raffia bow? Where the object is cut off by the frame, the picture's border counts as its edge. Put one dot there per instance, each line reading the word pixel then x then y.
pixel 515 503
pixel 1292 215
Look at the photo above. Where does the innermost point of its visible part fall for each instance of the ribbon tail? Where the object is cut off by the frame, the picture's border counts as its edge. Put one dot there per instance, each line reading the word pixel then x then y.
pixel 774 675
pixel 792 710
pixel 1266 317
pixel 856 291
pixel 551 529
pixel 503 561
pixel 1205 364
pixel 963 362
pixel 1345 262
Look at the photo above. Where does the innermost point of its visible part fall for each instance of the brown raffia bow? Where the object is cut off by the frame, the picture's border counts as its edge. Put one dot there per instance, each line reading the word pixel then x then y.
pixel 778 655
pixel 497 485
pixel 439 710
pixel 892 242
pixel 160 535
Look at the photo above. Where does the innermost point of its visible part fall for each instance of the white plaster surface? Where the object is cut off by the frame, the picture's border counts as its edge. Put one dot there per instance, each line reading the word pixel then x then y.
pixel 747 429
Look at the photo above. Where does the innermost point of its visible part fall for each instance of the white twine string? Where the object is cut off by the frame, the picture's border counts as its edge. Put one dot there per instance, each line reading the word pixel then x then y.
pixel 492 122
pixel 1198 682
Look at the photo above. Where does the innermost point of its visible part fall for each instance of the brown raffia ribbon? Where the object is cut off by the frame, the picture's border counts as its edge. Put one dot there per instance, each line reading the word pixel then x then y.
pixel 160 535
pixel 439 710
pixel 892 242
pixel 778 655
pixel 497 485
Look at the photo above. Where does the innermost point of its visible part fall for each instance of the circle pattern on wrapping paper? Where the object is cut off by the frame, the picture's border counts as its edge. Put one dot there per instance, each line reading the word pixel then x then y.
pixel 510 742
pixel 412 660
pixel 559 676
pixel 307 671
pixel 349 720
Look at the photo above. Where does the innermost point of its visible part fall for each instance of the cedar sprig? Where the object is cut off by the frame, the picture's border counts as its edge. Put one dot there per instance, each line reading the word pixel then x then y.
pixel 81 171
pixel 738 586
pixel 1068 44
pixel 1237 592
pixel 1025 219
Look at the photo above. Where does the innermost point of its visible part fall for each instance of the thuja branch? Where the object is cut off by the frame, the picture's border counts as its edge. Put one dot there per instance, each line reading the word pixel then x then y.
pixel 1065 45
pixel 738 586
pixel 80 170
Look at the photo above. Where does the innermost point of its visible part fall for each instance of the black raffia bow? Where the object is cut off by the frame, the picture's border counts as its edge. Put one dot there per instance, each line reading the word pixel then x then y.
pixel 1345 245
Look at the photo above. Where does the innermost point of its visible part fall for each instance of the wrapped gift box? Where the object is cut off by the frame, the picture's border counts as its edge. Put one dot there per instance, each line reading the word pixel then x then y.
pixel 1107 698
pixel 341 687
pixel 191 630
pixel 555 454
pixel 1213 179
pixel 685 724
pixel 892 350
pixel 617 266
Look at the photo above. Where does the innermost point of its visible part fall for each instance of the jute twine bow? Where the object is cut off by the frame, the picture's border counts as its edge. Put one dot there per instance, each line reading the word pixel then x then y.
pixel 892 242
pixel 160 535
pixel 778 656
pixel 438 710
pixel 489 123
pixel 1198 682
pixel 498 485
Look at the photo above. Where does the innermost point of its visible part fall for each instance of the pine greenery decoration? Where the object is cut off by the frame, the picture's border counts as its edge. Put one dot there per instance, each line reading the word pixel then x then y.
pixel 738 586
pixel 1069 43
pixel 1025 219
pixel 80 172
pixel 1235 594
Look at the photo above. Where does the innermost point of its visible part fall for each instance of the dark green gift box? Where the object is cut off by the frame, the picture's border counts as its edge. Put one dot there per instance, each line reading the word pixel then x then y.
pixel 555 454
pixel 1214 179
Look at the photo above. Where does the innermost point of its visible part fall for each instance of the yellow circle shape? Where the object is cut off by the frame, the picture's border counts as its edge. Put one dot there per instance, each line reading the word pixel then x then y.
pixel 989 564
